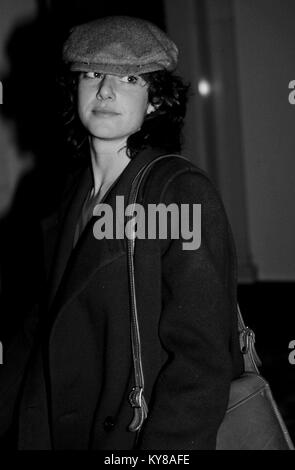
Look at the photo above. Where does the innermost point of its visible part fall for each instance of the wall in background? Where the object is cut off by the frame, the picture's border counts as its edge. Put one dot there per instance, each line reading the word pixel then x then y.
pixel 265 38
pixel 254 127
pixel 12 167
pixel 213 134
pixel 12 12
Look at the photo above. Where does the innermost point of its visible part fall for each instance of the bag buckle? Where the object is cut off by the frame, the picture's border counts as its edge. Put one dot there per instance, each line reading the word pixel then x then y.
pixel 140 408
pixel 135 397
pixel 247 337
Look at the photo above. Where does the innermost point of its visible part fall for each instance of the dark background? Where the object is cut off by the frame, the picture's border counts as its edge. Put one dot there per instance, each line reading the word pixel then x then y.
pixel 31 104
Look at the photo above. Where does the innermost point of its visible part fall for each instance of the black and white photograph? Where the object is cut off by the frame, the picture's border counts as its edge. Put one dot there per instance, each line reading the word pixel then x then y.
pixel 147 227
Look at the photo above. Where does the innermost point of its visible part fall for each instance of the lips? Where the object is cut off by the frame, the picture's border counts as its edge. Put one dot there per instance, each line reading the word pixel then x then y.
pixel 106 112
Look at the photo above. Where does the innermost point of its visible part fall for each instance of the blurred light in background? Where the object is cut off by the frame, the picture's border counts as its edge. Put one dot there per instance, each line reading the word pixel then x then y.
pixel 204 87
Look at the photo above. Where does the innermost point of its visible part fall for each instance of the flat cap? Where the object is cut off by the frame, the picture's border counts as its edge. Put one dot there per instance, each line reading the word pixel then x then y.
pixel 119 45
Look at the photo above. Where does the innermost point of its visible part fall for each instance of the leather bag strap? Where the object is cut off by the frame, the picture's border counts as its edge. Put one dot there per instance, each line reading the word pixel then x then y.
pixel 246 335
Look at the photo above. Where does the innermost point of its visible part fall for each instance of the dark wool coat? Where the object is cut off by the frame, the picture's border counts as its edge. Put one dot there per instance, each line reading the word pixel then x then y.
pixel 74 393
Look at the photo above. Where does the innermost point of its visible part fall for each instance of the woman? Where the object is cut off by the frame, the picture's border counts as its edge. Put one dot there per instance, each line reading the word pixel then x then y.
pixel 127 109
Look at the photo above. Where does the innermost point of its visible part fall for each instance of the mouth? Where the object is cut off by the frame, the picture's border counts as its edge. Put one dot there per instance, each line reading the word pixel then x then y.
pixel 104 112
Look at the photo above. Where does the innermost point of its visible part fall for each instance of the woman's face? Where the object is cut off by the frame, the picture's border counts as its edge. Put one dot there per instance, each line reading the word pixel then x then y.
pixel 112 107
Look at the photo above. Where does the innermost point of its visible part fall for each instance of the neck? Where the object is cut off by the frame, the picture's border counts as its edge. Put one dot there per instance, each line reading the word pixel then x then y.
pixel 108 160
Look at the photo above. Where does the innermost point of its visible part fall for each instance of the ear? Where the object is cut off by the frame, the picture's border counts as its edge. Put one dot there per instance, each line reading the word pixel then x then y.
pixel 150 109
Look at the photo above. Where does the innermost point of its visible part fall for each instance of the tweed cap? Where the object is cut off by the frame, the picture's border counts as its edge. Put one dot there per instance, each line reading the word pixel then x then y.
pixel 119 45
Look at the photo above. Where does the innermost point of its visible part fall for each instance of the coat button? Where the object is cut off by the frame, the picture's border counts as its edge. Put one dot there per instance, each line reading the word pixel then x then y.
pixel 109 423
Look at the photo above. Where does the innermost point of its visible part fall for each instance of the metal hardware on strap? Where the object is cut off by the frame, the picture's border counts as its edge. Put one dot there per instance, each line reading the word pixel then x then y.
pixel 247 336
pixel 252 361
pixel 135 397
pixel 140 409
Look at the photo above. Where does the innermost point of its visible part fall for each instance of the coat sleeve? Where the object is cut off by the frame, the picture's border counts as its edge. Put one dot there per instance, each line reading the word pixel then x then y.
pixel 15 360
pixel 190 396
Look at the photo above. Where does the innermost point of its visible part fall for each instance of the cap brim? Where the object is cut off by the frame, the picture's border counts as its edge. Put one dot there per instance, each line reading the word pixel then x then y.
pixel 115 69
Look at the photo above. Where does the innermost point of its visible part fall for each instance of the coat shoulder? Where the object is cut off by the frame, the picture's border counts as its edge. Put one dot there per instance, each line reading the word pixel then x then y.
pixel 179 180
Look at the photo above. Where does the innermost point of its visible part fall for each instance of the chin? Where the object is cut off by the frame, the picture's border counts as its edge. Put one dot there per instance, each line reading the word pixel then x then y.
pixel 102 133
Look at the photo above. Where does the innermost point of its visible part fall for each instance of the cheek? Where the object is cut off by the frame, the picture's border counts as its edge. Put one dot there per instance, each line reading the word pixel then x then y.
pixel 83 98
pixel 135 119
pixel 139 110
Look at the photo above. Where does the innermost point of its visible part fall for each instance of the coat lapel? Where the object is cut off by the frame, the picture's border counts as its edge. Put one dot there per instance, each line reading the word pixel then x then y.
pixel 75 267
pixel 69 214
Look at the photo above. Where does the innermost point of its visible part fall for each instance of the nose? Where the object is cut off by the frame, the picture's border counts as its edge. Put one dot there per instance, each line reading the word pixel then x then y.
pixel 105 88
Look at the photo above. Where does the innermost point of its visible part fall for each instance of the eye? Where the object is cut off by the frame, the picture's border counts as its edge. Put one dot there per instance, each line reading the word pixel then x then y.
pixel 92 75
pixel 130 79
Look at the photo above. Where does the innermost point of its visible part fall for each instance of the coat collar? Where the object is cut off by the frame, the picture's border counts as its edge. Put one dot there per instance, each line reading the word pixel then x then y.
pixel 74 267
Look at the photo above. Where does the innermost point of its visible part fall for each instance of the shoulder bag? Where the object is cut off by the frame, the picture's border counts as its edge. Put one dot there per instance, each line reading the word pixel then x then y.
pixel 252 420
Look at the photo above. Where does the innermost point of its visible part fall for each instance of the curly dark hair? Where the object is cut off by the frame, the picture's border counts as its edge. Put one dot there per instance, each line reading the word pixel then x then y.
pixel 161 128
